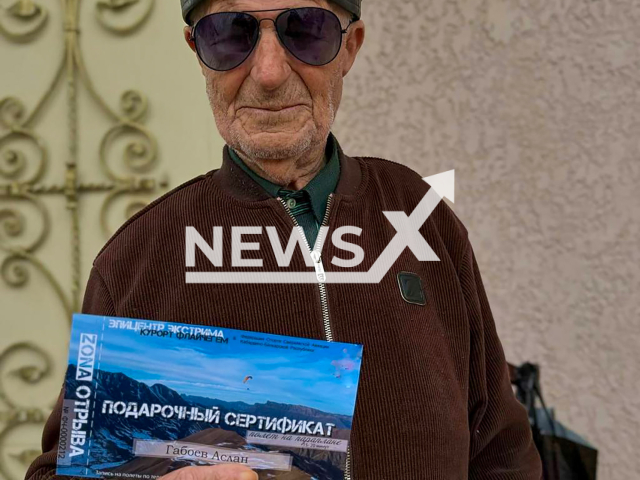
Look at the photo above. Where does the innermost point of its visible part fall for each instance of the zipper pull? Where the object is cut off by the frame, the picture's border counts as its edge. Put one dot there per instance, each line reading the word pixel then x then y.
pixel 317 263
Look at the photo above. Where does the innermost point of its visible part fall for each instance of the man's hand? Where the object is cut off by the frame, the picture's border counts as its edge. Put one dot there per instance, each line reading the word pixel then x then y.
pixel 216 472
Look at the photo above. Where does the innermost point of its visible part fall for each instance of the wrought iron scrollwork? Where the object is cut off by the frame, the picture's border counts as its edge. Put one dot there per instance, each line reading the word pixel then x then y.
pixel 107 9
pixel 17 416
pixel 22 184
pixel 31 17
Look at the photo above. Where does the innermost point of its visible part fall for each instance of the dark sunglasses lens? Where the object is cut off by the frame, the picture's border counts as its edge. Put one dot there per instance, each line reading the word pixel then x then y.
pixel 312 35
pixel 225 40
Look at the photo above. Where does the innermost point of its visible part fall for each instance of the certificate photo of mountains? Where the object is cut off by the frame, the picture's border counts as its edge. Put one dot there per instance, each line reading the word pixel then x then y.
pixel 143 398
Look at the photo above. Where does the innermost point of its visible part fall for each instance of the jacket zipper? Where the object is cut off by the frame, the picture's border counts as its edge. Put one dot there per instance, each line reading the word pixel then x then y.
pixel 317 263
pixel 316 256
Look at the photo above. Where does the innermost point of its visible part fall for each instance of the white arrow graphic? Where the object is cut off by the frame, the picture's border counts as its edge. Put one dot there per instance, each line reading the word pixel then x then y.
pixel 444 184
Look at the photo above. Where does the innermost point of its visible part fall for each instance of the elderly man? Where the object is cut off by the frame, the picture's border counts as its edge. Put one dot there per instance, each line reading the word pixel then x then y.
pixel 435 400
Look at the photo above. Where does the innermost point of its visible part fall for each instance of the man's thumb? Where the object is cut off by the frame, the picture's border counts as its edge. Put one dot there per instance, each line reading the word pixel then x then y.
pixel 232 472
pixel 248 476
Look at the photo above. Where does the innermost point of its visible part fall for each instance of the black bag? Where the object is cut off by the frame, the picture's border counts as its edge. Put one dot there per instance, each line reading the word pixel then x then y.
pixel 565 455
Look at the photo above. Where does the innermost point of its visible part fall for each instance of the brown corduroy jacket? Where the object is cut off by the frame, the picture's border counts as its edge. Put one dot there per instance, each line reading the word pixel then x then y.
pixel 435 401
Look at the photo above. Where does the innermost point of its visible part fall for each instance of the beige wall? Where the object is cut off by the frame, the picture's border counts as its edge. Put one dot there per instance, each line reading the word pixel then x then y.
pixel 533 103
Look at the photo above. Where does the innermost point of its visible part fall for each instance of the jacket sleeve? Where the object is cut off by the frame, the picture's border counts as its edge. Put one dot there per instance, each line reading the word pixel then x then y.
pixel 501 445
pixel 97 301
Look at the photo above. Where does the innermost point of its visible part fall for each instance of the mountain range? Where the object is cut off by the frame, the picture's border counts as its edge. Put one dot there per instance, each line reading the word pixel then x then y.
pixel 113 435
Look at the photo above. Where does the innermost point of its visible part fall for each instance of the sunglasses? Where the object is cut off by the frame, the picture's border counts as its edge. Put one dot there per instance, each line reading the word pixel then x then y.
pixel 226 39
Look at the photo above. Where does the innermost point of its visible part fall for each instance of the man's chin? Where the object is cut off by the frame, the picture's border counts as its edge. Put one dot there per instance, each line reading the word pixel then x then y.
pixel 274 145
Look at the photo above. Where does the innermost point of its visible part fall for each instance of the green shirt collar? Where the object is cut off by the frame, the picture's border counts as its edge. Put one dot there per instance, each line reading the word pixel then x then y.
pixel 318 189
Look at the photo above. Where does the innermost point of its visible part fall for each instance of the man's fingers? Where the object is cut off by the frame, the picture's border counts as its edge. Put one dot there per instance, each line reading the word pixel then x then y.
pixel 231 472
pixel 215 472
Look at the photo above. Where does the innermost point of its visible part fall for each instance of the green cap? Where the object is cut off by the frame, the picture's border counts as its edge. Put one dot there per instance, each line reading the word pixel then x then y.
pixel 352 6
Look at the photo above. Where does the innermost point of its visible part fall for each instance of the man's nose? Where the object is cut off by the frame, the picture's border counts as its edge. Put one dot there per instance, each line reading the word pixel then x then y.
pixel 270 65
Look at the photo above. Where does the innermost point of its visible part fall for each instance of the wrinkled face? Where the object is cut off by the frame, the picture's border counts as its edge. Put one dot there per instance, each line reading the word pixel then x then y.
pixel 273 106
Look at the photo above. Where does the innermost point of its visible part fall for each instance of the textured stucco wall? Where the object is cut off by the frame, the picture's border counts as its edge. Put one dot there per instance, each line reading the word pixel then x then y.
pixel 536 104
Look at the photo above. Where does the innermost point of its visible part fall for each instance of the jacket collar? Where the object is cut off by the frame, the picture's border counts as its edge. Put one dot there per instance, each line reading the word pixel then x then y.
pixel 237 183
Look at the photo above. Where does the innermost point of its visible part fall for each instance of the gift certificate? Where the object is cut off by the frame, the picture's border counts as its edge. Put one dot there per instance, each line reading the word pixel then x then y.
pixel 143 398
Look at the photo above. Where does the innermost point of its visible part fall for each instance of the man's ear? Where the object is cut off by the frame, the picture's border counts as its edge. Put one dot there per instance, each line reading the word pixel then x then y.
pixel 353 42
pixel 187 36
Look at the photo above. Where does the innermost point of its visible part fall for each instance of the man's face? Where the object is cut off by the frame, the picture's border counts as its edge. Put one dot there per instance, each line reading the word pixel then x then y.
pixel 273 106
